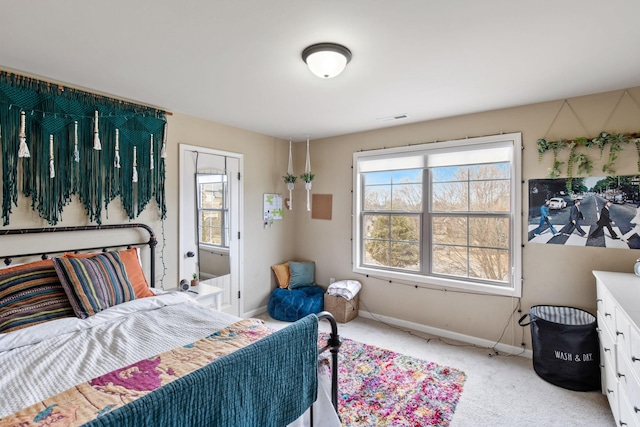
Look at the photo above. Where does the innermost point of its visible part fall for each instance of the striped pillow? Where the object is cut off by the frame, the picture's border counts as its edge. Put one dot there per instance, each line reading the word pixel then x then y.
pixel 94 284
pixel 31 294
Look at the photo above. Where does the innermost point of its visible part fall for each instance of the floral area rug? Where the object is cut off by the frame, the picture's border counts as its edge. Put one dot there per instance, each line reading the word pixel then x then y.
pixel 378 387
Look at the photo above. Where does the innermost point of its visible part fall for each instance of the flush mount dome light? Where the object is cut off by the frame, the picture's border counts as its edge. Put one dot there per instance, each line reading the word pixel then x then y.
pixel 326 60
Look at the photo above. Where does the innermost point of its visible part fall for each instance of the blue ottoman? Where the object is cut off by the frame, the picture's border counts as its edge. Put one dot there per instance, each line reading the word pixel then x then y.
pixel 290 305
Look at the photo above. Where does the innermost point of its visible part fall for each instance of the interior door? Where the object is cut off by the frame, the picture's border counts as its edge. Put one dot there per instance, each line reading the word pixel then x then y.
pixel 216 263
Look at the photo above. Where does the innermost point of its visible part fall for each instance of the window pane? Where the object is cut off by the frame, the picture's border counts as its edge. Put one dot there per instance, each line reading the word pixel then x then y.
pixel 211 195
pixel 450 260
pixel 449 230
pixel 491 264
pixel 407 176
pixel 377 178
pixel 405 255
pixel 377 227
pixel 489 232
pixel 494 171
pixel 490 196
pixel 376 252
pixel 377 197
pixel 407 197
pixel 405 228
pixel 450 197
pixel 211 227
pixel 452 173
pixel 393 241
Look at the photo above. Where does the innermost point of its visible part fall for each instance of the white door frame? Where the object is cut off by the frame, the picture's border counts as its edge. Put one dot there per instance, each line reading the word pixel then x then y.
pixel 186 228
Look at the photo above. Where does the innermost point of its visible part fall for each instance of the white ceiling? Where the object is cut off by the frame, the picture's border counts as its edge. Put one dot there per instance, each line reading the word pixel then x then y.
pixel 237 62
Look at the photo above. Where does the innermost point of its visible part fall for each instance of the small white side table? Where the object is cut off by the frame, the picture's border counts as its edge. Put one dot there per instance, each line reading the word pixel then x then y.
pixel 207 295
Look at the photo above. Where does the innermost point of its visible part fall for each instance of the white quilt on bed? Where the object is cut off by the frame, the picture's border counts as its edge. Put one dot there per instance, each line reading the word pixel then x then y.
pixel 37 361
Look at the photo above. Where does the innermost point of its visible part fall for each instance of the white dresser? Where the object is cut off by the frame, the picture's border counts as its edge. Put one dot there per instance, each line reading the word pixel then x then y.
pixel 618 297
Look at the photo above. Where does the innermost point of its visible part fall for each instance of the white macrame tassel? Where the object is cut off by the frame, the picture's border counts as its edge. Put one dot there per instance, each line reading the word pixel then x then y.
pixel 52 169
pixel 76 153
pixel 307 170
pixel 135 163
pixel 96 134
pixel 116 160
pixel 23 150
pixel 163 150
pixel 151 164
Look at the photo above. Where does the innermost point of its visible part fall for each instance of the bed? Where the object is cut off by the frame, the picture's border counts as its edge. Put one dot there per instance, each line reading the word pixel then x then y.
pixel 84 340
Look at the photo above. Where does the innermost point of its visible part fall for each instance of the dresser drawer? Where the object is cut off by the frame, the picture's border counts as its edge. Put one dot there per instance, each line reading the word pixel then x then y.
pixel 628 381
pixel 607 345
pixel 608 312
pixel 610 389
pixel 632 352
pixel 628 415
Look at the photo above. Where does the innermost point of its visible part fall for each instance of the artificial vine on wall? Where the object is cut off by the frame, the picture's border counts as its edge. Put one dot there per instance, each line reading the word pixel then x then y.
pixel 615 142
pixel 60 142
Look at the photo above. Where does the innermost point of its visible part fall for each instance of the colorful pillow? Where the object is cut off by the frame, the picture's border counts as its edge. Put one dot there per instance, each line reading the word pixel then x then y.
pixel 282 274
pixel 94 284
pixel 131 261
pixel 302 274
pixel 31 294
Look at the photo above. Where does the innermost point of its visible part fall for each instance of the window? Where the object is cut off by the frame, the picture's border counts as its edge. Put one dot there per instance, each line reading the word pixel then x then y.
pixel 445 213
pixel 213 210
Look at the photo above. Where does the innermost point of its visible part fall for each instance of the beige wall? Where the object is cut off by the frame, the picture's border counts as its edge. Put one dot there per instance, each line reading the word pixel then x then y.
pixel 553 274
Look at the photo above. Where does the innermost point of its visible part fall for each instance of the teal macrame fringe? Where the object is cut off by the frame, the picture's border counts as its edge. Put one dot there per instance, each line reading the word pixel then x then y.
pixel 52 110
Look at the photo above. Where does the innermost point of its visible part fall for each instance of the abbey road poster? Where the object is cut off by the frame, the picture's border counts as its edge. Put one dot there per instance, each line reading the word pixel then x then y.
pixel 593 211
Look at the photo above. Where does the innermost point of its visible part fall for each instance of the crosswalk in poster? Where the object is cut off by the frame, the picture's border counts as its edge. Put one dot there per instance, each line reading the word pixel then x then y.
pixel 593 211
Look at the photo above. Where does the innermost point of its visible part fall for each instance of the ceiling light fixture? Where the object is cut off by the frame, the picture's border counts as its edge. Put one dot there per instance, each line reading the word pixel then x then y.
pixel 326 60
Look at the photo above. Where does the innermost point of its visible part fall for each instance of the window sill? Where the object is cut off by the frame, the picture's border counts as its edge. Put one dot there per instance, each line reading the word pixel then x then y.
pixel 441 283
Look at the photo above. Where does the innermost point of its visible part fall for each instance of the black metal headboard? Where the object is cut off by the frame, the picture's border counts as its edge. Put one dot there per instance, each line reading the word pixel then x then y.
pixel 152 242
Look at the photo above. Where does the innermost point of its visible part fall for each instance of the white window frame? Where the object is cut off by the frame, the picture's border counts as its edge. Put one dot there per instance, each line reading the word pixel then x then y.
pixel 384 160
pixel 224 211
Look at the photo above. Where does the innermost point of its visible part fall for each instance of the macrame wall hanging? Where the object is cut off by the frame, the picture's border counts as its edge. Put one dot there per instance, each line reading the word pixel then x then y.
pixel 60 142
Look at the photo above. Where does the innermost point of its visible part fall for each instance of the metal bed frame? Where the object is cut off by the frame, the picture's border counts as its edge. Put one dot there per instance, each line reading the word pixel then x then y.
pixel 333 343
pixel 152 242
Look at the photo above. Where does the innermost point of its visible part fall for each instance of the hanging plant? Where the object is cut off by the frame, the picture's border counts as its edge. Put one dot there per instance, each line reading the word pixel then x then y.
pixel 290 179
pixel 307 177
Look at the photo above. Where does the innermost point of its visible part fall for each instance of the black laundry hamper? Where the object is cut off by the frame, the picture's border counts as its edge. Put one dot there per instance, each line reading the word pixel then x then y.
pixel 565 345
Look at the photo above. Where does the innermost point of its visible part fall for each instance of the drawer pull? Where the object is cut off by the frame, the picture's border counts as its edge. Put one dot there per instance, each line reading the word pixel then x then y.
pixel 619 333
pixel 634 359
pixel 621 375
pixel 609 390
pixel 622 423
pixel 607 314
pixel 606 349
pixel 599 300
pixel 635 409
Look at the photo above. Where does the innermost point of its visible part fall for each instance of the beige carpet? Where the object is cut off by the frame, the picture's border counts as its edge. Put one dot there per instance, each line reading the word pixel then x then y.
pixel 500 391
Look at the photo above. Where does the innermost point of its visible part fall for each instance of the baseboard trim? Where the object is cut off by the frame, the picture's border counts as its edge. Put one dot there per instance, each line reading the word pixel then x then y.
pixel 510 349
pixel 505 348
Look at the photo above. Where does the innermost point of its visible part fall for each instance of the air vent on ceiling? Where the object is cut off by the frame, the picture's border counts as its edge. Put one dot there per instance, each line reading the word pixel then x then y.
pixel 393 118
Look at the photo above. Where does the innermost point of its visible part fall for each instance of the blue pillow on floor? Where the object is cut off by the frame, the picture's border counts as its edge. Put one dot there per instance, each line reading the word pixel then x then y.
pixel 290 305
pixel 302 274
